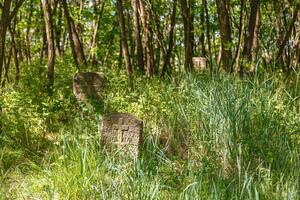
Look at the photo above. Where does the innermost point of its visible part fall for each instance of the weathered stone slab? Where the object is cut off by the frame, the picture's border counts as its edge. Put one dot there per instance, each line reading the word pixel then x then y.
pixel 88 85
pixel 123 132
pixel 199 63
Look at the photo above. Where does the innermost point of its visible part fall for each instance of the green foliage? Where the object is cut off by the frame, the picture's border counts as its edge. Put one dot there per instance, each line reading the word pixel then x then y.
pixel 240 139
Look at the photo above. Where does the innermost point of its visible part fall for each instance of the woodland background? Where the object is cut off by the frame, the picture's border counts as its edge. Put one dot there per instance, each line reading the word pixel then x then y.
pixel 232 130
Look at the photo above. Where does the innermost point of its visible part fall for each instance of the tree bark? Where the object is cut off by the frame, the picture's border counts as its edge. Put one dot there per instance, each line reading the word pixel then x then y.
pixel 225 31
pixel 249 35
pixel 27 37
pixel 16 60
pixel 167 60
pixel 208 36
pixel 5 19
pixel 188 42
pixel 137 34
pixel 2 46
pixel 236 59
pixel 124 44
pixel 6 66
pixel 160 49
pixel 58 30
pixel 96 25
pixel 287 36
pixel 76 45
pixel 50 41
pixel 145 14
pixel 202 35
pixel 255 45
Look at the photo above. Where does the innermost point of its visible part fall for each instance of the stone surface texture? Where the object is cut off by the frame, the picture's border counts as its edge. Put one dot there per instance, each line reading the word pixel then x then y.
pixel 88 85
pixel 121 131
pixel 199 63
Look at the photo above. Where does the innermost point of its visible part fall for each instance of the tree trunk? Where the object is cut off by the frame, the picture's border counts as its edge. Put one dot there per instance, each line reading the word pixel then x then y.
pixel 27 37
pixel 125 50
pixel 6 65
pixel 145 14
pixel 96 25
pixel 2 47
pixel 137 34
pixel 225 31
pixel 6 17
pixel 208 36
pixel 250 35
pixel 58 31
pixel 188 42
pixel 76 45
pixel 16 60
pixel 43 45
pixel 129 36
pixel 236 60
pixel 50 41
pixel 160 49
pixel 202 35
pixel 167 60
pixel 287 36
pixel 255 45
pixel 3 28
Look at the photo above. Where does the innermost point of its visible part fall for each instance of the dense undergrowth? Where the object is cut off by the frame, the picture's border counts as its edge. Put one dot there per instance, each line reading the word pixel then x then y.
pixel 220 138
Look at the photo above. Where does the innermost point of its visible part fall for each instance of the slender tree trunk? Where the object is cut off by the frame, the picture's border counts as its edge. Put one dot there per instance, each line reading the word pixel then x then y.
pixel 58 30
pixel 2 46
pixel 76 45
pixel 43 40
pixel 92 56
pixel 145 13
pixel 137 34
pixel 208 36
pixel 236 59
pixel 120 60
pixel 6 65
pixel 129 35
pixel 125 50
pixel 43 45
pixel 191 6
pixel 250 35
pixel 6 17
pixel 50 41
pixel 255 45
pixel 225 31
pixel 64 41
pixel 27 37
pixel 188 42
pixel 202 35
pixel 16 60
pixel 167 60
pixel 160 47
pixel 287 36
pixel 3 28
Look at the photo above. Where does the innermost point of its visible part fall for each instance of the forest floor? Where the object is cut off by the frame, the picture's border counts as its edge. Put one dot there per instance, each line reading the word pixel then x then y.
pixel 230 138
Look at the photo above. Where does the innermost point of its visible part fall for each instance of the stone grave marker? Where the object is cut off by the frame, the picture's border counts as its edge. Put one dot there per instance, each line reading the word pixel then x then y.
pixel 199 63
pixel 122 131
pixel 88 85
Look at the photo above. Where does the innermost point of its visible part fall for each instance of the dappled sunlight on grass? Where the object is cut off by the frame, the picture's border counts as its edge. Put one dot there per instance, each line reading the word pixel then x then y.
pixel 228 139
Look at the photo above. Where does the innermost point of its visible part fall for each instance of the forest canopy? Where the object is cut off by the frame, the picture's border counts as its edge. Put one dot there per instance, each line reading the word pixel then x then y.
pixel 152 37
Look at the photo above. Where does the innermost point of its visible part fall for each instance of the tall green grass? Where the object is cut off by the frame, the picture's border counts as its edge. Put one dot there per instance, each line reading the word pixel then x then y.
pixel 226 139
